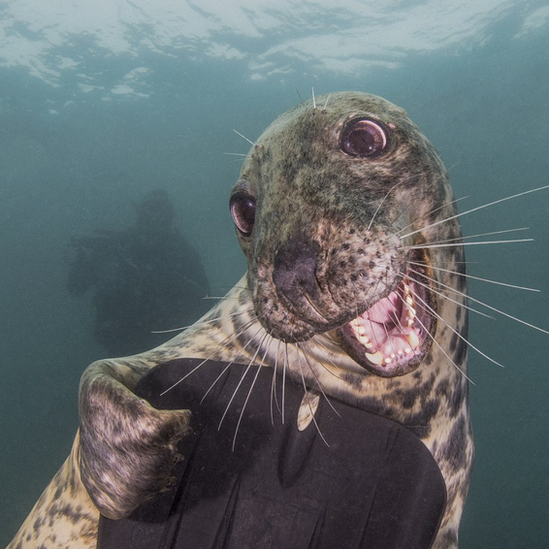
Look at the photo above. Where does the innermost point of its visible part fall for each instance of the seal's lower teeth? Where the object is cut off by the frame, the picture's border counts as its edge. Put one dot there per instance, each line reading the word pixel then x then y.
pixel 413 339
pixel 376 358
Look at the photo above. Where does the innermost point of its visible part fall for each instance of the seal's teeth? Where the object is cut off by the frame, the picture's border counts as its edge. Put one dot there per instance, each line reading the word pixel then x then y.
pixel 413 340
pixel 360 333
pixel 376 358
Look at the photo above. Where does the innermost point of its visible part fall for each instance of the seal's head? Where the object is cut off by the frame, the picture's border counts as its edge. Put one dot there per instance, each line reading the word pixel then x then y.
pixel 332 207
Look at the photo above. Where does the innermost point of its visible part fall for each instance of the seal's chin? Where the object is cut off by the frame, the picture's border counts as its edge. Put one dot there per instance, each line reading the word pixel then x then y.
pixel 392 337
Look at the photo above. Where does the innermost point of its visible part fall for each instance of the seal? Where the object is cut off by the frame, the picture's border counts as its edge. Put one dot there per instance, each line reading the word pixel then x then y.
pixel 338 210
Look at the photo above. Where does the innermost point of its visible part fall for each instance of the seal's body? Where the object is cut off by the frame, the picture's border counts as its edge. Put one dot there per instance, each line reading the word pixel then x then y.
pixel 336 210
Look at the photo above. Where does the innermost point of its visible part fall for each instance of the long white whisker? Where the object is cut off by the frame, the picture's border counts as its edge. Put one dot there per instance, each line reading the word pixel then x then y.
pixel 210 321
pixel 229 364
pixel 497 282
pixel 310 407
pixel 240 353
pixel 326 352
pixel 468 237
pixel 503 313
pixel 251 389
pixel 457 333
pixel 444 352
pixel 448 297
pixel 234 393
pixel 274 396
pixel 475 210
pixel 206 360
pixel 244 406
pixel 244 137
pixel 184 377
pixel 422 246
pixel 220 297
pixel 235 154
pixel 314 98
pixel 446 204
pixel 319 385
pixel 250 364
pixel 381 203
pixel 284 367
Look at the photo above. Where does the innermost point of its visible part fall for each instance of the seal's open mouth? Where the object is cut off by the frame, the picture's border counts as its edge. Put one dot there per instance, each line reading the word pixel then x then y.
pixel 393 335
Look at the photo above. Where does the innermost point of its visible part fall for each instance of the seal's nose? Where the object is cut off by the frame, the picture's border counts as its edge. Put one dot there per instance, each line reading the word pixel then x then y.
pixel 295 266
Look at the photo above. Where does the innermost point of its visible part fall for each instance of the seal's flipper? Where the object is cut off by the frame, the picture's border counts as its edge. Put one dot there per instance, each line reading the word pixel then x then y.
pixel 375 486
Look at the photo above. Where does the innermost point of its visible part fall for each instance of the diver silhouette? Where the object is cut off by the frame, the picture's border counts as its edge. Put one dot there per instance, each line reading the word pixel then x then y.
pixel 145 278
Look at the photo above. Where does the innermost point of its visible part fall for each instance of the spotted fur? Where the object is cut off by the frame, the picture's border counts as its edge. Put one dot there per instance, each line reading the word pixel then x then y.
pixel 345 216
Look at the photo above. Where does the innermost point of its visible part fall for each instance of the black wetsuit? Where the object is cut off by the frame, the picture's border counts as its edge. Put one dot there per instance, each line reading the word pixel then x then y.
pixel 350 480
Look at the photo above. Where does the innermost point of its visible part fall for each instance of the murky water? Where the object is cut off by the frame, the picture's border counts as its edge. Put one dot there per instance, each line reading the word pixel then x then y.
pixel 99 108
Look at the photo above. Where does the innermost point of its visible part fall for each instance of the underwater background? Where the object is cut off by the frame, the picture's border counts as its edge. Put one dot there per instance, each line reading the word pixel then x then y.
pixel 103 102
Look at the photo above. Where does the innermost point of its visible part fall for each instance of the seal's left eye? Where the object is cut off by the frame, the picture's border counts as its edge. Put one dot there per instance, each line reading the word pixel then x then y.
pixel 242 207
pixel 363 137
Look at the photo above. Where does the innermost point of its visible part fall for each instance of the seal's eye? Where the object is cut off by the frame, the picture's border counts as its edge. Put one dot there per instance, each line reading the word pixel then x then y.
pixel 243 211
pixel 363 137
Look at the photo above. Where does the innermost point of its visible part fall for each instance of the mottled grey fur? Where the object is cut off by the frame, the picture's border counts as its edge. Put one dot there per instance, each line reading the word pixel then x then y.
pixel 307 191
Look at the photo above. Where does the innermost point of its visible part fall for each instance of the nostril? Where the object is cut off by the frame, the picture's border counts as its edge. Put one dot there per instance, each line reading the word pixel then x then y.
pixel 295 264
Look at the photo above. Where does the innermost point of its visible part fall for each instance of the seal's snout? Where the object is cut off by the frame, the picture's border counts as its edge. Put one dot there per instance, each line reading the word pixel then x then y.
pixel 295 265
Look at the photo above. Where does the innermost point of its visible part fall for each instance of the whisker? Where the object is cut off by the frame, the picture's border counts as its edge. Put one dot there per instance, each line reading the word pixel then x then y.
pixel 234 394
pixel 475 210
pixel 220 297
pixel 286 363
pixel 244 137
pixel 326 102
pixel 458 334
pixel 221 344
pixel 497 282
pixel 503 313
pixel 239 354
pixel 250 364
pixel 326 351
pixel 422 246
pixel 314 98
pixel 310 407
pixel 445 205
pixel 210 321
pixel 244 407
pixel 319 385
pixel 468 237
pixel 381 203
pixel 184 377
pixel 250 390
pixel 469 308
pixel 274 396
pixel 444 352
pixel 235 154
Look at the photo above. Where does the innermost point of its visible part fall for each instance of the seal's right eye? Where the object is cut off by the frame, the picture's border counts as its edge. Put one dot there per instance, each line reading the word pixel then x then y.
pixel 363 137
pixel 243 211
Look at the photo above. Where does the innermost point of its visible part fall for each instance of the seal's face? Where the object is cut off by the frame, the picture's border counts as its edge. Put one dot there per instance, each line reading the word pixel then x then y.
pixel 331 209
